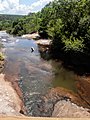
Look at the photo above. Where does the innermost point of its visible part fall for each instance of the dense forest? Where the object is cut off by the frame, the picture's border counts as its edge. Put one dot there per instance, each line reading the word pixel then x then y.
pixel 24 25
pixel 66 22
pixel 6 20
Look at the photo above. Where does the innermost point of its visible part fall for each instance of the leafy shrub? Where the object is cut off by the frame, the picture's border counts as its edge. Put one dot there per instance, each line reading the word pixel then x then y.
pixel 73 44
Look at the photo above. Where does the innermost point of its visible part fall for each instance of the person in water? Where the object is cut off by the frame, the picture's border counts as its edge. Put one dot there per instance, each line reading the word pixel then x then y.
pixel 32 49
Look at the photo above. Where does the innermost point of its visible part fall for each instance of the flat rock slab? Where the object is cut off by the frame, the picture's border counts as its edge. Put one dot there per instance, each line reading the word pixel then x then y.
pixel 67 109
pixel 31 36
pixel 39 118
pixel 10 103
pixel 43 42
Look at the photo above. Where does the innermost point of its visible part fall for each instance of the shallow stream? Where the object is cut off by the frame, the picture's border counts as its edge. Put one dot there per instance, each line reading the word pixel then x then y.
pixel 34 75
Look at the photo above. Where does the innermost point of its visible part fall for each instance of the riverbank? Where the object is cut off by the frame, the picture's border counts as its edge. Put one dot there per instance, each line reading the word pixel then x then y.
pixel 10 103
pixel 38 118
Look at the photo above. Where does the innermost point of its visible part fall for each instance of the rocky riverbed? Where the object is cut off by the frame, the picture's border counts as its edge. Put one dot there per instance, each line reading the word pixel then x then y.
pixel 34 78
pixel 60 102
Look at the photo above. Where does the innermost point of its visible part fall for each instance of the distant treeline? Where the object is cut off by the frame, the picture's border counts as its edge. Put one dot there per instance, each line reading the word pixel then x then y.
pixel 9 17
pixel 25 24
pixel 6 20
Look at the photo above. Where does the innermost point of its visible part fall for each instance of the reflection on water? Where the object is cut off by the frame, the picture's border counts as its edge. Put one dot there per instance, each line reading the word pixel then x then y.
pixel 63 77
pixel 34 74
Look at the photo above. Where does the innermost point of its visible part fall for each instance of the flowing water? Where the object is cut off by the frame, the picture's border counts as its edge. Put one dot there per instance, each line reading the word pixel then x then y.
pixel 34 75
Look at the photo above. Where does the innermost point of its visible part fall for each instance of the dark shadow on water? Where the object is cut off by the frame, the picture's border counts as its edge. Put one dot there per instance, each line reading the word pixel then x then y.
pixel 79 63
pixel 44 52
pixel 45 55
pixel 78 69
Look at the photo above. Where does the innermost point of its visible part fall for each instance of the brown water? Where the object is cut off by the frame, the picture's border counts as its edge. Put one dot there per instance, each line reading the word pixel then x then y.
pixel 35 75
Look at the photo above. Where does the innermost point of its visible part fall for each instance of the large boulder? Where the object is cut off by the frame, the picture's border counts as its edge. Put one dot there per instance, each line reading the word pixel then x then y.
pixel 68 109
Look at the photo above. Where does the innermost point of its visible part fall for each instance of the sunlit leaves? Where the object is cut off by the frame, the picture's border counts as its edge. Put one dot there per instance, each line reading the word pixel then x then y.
pixel 73 44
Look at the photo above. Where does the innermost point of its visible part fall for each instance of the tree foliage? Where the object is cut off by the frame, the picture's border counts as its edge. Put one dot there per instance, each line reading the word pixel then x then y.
pixel 67 23
pixel 6 21
pixel 24 25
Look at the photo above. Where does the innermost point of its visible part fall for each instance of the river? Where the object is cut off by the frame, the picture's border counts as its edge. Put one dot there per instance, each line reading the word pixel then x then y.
pixel 35 76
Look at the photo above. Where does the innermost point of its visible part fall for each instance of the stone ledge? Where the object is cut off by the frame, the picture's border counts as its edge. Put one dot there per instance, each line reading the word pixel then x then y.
pixel 39 118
